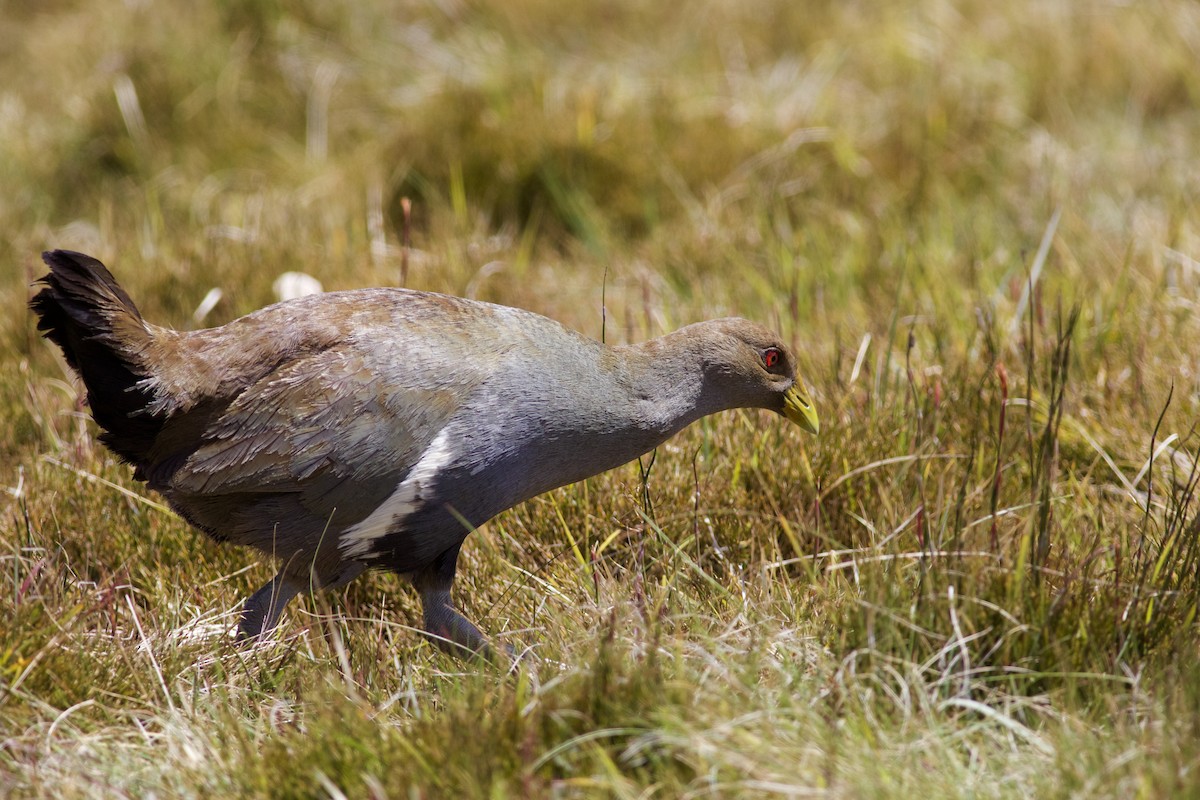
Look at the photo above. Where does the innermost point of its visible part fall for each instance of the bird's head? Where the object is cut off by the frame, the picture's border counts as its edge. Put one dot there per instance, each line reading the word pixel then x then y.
pixel 752 367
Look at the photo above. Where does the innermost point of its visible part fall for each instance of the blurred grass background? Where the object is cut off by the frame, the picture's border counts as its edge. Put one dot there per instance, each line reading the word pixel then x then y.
pixel 977 222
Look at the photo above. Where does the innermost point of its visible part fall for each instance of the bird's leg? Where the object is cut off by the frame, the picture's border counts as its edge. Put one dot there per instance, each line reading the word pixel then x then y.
pixel 448 629
pixel 260 613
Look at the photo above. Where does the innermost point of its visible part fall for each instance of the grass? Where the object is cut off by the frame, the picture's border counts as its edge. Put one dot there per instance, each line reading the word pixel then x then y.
pixel 977 223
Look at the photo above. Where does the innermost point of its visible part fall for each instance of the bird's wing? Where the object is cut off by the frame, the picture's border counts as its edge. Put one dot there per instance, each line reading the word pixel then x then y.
pixel 329 422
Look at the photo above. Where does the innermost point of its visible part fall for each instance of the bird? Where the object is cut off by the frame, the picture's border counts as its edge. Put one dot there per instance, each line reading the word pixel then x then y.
pixel 377 427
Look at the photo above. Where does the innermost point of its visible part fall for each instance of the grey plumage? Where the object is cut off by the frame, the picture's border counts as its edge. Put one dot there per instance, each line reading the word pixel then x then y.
pixel 376 428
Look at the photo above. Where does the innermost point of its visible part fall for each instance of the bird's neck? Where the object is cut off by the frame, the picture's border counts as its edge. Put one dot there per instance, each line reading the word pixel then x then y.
pixel 666 379
pixel 638 396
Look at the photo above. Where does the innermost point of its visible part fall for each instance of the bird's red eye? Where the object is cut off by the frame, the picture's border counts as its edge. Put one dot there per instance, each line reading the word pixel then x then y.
pixel 771 357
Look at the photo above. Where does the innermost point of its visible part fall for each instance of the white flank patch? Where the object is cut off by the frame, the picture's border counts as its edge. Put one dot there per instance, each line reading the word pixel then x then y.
pixel 358 540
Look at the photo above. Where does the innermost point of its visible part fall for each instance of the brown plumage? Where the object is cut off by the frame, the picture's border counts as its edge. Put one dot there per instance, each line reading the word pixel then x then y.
pixel 378 427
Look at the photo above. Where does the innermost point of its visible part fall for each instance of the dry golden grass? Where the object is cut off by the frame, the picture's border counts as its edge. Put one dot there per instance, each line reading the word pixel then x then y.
pixel 977 222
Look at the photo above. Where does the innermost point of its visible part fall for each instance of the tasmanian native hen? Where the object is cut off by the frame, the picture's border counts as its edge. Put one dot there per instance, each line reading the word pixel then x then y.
pixel 378 427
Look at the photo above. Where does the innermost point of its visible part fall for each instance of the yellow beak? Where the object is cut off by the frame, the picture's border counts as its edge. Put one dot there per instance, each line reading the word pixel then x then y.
pixel 799 408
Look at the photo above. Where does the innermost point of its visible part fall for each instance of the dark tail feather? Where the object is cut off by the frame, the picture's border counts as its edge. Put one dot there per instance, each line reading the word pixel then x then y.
pixel 85 312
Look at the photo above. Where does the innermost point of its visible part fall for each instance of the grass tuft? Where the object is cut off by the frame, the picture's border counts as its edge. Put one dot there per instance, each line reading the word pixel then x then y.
pixel 976 223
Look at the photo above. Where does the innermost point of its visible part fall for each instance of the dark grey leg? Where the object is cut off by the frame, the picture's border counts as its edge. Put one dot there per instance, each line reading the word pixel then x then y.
pixel 260 614
pixel 448 629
